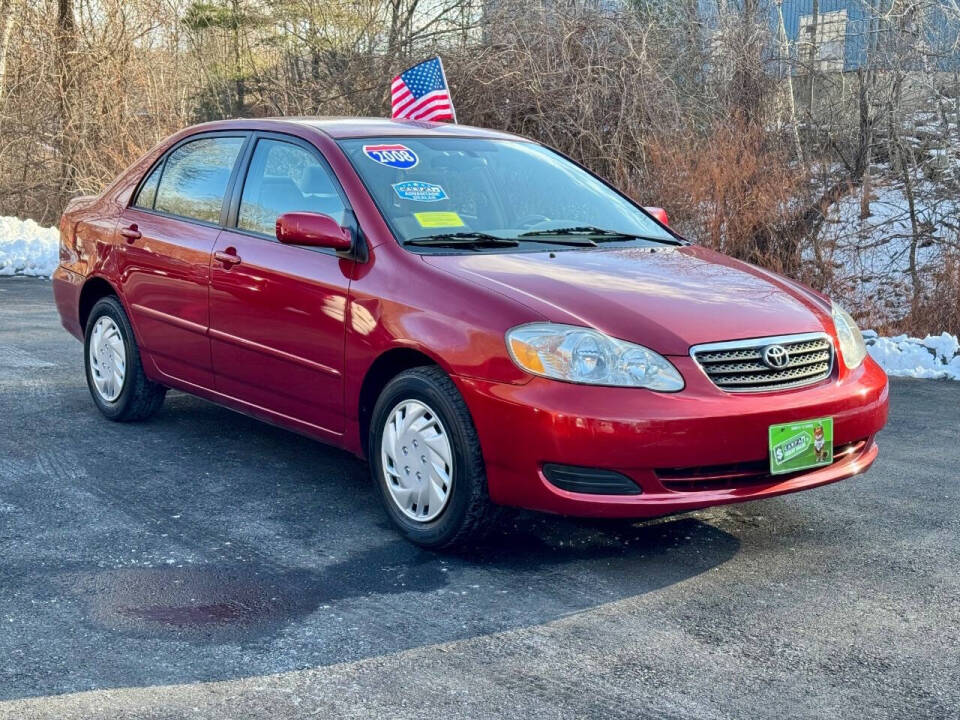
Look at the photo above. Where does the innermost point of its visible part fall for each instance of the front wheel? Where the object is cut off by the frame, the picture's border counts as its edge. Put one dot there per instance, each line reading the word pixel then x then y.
pixel 425 458
pixel 120 389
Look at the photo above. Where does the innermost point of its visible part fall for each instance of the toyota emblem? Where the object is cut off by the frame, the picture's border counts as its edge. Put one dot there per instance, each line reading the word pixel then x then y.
pixel 776 357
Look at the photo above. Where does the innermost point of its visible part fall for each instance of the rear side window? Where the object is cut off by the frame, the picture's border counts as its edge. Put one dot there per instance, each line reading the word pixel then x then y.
pixel 282 178
pixel 195 178
pixel 148 191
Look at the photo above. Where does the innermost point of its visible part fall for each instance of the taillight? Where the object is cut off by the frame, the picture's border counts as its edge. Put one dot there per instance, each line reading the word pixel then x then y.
pixel 68 242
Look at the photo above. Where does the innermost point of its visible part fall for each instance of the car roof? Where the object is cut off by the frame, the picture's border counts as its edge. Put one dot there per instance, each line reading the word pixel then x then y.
pixel 359 127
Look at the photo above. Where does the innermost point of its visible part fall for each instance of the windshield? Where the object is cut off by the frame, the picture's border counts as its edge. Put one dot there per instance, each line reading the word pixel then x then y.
pixel 437 192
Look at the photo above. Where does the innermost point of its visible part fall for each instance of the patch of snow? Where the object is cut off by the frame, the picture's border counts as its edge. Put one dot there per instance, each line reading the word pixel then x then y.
pixel 935 356
pixel 944 345
pixel 27 248
pixel 870 257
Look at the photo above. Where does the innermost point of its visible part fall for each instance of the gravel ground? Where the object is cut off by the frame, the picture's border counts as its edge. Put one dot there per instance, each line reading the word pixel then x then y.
pixel 204 564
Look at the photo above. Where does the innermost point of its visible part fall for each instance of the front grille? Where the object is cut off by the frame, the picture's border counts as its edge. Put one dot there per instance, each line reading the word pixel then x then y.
pixel 739 366
pixel 744 474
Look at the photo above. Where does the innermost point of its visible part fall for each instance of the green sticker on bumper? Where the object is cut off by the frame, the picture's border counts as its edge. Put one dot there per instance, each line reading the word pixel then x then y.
pixel 801 445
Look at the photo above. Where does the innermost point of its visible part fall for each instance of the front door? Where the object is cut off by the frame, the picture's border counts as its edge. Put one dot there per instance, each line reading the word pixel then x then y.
pixel 277 311
pixel 167 237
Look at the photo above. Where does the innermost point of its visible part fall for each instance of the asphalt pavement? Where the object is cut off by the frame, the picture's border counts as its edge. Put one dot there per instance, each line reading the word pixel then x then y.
pixel 206 565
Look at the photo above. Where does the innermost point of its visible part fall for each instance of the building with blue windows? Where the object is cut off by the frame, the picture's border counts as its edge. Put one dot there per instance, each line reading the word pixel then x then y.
pixel 852 34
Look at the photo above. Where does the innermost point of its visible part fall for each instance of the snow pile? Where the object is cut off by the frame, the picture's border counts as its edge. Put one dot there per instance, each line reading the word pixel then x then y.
pixel 27 248
pixel 935 356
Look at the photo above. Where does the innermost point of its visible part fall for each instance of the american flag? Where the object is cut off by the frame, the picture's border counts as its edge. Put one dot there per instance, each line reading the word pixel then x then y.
pixel 421 93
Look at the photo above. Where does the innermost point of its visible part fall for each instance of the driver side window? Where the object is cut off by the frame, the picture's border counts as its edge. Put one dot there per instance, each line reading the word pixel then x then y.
pixel 282 178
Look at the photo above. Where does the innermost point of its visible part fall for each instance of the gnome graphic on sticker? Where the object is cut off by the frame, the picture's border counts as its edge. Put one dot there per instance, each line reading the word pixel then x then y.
pixel 819 446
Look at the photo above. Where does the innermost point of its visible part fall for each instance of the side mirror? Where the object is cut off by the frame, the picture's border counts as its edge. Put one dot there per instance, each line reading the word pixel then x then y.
pixel 314 230
pixel 659 214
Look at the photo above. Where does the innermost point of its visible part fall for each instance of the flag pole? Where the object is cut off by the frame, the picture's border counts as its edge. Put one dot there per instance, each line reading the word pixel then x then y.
pixel 443 72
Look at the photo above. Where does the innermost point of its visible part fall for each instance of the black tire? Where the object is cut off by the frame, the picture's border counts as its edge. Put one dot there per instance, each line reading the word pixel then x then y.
pixel 140 398
pixel 469 513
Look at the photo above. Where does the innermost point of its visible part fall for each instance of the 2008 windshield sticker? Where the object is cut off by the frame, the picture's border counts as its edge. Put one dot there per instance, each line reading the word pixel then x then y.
pixel 395 156
pixel 419 191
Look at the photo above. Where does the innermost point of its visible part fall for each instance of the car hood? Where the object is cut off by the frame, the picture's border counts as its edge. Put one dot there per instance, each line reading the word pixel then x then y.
pixel 665 298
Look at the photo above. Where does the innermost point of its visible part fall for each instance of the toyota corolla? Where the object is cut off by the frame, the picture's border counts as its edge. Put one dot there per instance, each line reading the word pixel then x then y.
pixel 484 320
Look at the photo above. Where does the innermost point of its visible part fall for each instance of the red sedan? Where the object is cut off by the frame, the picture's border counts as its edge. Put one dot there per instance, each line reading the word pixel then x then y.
pixel 483 319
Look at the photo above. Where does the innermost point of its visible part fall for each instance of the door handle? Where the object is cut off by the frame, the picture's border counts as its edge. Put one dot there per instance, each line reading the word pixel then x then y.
pixel 228 257
pixel 131 233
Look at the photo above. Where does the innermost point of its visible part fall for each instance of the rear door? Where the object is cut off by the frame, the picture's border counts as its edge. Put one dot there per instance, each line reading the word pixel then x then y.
pixel 168 233
pixel 277 311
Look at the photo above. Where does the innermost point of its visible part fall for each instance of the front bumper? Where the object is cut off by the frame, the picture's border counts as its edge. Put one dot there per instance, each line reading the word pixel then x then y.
pixel 652 437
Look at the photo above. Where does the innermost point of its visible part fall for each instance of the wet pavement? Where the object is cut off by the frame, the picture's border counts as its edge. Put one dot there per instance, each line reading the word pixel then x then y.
pixel 206 546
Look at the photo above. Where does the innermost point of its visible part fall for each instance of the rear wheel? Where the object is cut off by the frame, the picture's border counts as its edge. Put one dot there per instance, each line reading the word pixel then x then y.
pixel 425 458
pixel 118 385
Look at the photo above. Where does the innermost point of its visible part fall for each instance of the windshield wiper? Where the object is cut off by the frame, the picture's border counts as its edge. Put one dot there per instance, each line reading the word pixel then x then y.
pixel 560 240
pixel 596 234
pixel 461 239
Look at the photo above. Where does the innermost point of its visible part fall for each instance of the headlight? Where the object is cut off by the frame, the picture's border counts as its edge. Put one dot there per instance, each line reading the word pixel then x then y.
pixel 848 334
pixel 581 355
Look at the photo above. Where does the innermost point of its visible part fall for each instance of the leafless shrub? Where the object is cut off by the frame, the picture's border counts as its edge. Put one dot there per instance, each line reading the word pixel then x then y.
pixel 733 189
pixel 938 307
pixel 81 97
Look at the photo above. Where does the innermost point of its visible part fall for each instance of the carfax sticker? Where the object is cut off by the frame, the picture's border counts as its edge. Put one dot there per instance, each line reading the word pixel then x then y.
pixel 438 219
pixel 419 191
pixel 395 156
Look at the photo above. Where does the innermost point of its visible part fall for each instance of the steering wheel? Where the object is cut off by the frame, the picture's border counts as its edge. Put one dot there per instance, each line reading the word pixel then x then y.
pixel 545 223
pixel 528 221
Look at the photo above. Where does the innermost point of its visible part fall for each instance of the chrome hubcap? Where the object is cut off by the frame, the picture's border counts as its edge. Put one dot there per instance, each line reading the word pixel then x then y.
pixel 108 359
pixel 417 460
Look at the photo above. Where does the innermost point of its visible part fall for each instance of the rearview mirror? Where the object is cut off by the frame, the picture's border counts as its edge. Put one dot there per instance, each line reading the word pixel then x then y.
pixel 659 214
pixel 312 229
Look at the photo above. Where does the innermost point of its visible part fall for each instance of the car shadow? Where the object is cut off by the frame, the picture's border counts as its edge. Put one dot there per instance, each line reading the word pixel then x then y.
pixel 205 545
